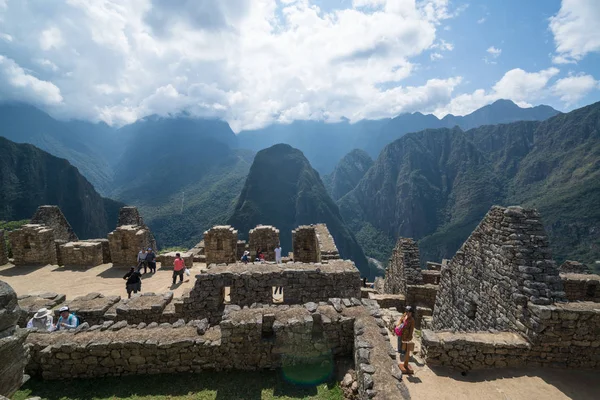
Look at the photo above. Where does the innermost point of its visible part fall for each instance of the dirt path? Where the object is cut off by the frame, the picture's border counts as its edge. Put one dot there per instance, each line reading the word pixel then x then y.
pixel 74 282
pixel 500 383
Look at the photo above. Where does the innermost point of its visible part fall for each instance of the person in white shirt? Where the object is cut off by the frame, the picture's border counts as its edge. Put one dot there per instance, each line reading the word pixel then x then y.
pixel 141 259
pixel 41 320
pixel 278 254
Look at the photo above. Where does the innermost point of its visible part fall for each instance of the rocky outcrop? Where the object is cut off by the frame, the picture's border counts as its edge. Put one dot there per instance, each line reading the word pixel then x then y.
pixel 348 173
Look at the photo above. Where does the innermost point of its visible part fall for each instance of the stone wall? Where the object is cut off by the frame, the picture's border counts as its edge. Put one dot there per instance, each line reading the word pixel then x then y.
pixel 581 287
pixel 240 248
pixel 145 307
pixel 404 267
pixel 33 245
pixel 91 308
pixel 13 354
pixel 30 303
pixel 130 215
pixel 87 254
pixel 263 238
pixel 305 244
pixel 431 277
pixel 254 283
pixel 52 217
pixel 421 295
pixel 327 247
pixel 573 267
pixel 503 265
pixel 106 259
pixel 3 250
pixel 167 259
pixel 221 244
pixel 126 241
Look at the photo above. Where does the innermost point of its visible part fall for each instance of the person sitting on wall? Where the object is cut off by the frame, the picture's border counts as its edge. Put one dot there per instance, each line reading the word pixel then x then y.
pixel 150 261
pixel 41 320
pixel 134 282
pixel 245 258
pixel 141 259
pixel 66 320
pixel 178 268
pixel 404 330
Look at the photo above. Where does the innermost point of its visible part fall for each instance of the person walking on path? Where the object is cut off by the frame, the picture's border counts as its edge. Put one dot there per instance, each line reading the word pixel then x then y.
pixel 150 261
pixel 141 259
pixel 278 254
pixel 404 330
pixel 178 268
pixel 134 282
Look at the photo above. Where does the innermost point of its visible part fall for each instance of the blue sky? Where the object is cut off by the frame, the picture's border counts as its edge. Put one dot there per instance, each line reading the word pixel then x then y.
pixel 256 62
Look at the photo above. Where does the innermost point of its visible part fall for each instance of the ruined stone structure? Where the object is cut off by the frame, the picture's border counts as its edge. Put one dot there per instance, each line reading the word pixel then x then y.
pixel 167 259
pixel 327 246
pixel 198 252
pixel 87 254
pixel 573 267
pixel 106 259
pixel 3 251
pixel 13 354
pixel 581 287
pixel 404 267
pixel 129 237
pixel 241 247
pixel 503 293
pixel 33 244
pixel 221 245
pixel 30 303
pixel 305 244
pixel 52 217
pixel 264 238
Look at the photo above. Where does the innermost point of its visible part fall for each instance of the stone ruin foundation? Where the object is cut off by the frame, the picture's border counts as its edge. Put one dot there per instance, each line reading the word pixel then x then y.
pixel 52 217
pixel 305 244
pixel 33 244
pixel 263 238
pixel 13 354
pixel 3 250
pixel 221 245
pixel 88 254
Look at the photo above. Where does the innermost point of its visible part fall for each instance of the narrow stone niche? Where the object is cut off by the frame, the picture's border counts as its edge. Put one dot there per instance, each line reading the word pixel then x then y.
pixel 267 332
pixel 472 311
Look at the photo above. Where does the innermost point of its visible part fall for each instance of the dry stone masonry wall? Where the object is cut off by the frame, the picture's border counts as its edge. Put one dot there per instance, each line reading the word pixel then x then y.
pixel 3 250
pixel 573 267
pixel 404 268
pixel 581 287
pixel 327 246
pixel 30 303
pixel 263 238
pixel 52 217
pixel 503 265
pixel 167 259
pixel 305 244
pixel 221 244
pixel 33 244
pixel 88 254
pixel 125 243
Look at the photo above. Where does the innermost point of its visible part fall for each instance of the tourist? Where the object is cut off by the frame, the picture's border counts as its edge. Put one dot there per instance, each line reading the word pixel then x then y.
pixel 261 257
pixel 141 259
pixel 178 268
pixel 245 257
pixel 258 254
pixel 150 261
pixel 134 282
pixel 41 320
pixel 66 320
pixel 404 330
pixel 278 254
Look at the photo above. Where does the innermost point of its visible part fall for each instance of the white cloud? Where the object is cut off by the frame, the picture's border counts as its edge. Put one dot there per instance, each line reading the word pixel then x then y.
pixel 481 20
pixel 573 88
pixel 51 38
pixel 575 30
pixel 517 85
pixel 494 52
pixel 16 84
pixel 443 45
pixel 6 37
pixel 435 56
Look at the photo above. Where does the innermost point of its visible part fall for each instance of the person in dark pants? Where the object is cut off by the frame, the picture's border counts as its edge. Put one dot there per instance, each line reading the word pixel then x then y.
pixel 150 261
pixel 178 268
pixel 134 282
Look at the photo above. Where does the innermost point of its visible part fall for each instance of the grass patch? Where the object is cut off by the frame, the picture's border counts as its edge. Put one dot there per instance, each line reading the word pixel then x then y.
pixel 203 386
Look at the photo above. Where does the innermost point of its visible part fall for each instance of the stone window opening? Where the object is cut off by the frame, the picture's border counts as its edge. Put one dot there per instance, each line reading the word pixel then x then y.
pixel 590 290
pixel 277 294
pixel 226 295
pixel 472 310
pixel 124 243
pixel 219 244
pixel 27 245
pixel 267 332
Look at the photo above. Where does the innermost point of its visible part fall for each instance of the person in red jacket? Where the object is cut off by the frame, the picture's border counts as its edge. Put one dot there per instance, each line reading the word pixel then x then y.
pixel 178 268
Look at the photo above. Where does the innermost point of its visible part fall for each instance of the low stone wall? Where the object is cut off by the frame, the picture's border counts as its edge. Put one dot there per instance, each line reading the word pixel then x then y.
pixel 421 295
pixel 254 283
pixel 431 277
pixel 3 251
pixel 397 301
pixel 30 303
pixel 573 267
pixel 166 260
pixel 106 259
pixel 84 254
pixel 145 307
pixel 468 351
pixel 581 287
pixel 91 308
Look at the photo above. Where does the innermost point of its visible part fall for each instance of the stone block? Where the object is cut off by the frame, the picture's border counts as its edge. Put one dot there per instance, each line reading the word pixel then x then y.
pixel 82 254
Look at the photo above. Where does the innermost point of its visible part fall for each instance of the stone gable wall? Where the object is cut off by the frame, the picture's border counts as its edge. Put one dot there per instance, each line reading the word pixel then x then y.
pixel 264 238
pixel 33 245
pixel 404 267
pixel 327 247
pixel 503 265
pixel 581 287
pixel 3 250
pixel 126 241
pixel 220 245
pixel 52 217
pixel 305 244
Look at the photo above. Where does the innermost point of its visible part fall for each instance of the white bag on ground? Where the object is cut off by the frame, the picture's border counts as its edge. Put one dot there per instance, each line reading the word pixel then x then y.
pixel 187 272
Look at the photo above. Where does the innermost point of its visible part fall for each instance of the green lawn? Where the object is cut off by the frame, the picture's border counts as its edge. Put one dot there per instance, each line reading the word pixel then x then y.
pixel 208 385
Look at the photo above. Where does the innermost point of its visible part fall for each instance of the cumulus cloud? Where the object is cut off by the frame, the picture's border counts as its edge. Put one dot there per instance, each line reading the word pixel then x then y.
pixel 573 88
pixel 16 84
pixel 517 85
pixel 575 30
pixel 494 52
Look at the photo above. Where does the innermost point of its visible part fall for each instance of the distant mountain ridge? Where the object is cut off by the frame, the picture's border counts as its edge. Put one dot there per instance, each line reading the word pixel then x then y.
pixel 435 185
pixel 283 190
pixel 30 177
pixel 347 173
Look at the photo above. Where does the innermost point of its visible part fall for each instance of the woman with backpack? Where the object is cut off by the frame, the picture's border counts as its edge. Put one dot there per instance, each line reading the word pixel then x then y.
pixel 404 330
